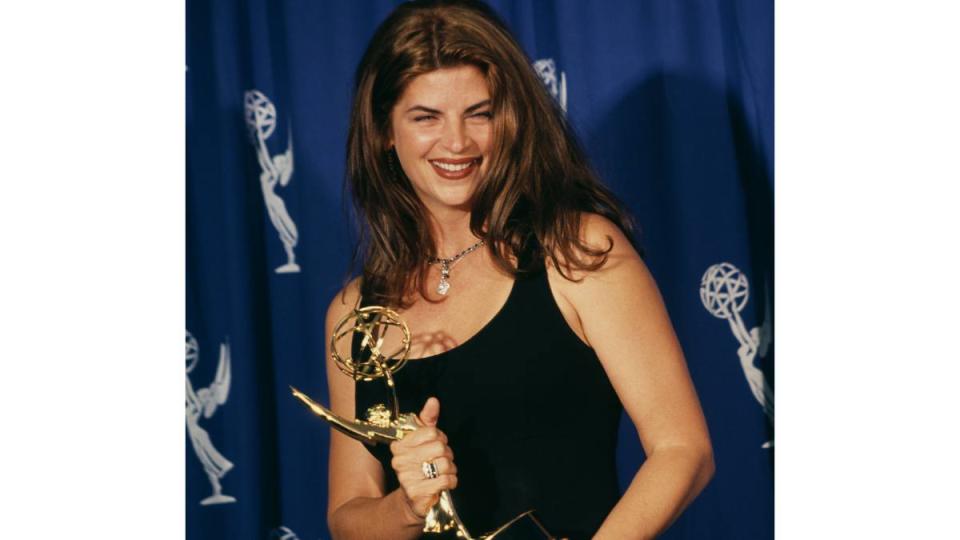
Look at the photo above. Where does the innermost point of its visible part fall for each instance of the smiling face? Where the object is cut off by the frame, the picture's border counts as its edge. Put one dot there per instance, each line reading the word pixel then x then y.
pixel 442 131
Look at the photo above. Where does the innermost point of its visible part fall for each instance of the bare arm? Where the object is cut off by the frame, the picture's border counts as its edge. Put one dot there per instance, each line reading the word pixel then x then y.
pixel 622 316
pixel 375 518
pixel 358 507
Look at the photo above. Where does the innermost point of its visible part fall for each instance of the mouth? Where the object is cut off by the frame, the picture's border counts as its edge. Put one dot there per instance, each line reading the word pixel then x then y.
pixel 455 169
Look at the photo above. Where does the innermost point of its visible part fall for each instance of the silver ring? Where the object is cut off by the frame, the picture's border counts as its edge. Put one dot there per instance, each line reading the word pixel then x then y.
pixel 429 469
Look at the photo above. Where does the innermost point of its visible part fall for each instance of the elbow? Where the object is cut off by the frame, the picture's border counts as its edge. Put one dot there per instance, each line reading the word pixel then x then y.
pixel 696 460
pixel 332 526
pixel 707 467
pixel 333 523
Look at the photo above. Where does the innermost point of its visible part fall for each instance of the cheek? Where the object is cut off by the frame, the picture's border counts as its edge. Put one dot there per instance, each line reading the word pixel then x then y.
pixel 414 144
pixel 483 136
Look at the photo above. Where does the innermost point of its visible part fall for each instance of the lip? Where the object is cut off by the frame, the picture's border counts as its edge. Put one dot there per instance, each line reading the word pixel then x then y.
pixel 457 161
pixel 456 175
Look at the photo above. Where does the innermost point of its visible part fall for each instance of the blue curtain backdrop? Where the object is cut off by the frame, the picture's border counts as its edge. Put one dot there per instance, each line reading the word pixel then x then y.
pixel 674 102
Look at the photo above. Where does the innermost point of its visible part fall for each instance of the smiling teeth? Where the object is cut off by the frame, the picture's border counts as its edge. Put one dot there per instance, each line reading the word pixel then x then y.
pixel 453 168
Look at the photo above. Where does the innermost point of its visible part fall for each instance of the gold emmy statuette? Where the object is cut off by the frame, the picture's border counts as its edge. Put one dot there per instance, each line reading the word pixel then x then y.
pixel 385 424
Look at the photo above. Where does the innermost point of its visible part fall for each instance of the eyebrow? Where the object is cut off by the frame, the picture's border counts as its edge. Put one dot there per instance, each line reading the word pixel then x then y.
pixel 468 110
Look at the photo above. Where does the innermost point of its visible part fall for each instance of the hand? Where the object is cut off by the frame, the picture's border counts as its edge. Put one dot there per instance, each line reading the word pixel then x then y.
pixel 425 444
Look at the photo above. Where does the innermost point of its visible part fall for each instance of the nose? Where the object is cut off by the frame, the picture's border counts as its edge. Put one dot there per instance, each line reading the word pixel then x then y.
pixel 455 137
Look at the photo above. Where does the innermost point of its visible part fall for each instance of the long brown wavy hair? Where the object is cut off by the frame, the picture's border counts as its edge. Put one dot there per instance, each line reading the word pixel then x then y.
pixel 538 180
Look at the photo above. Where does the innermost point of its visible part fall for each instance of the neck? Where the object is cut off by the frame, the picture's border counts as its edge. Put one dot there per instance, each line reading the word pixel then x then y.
pixel 451 231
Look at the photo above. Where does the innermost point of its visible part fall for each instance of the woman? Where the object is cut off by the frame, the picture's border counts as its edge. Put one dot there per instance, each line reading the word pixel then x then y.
pixel 533 317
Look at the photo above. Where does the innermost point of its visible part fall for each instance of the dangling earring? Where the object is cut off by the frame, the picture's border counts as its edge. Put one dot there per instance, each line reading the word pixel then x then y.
pixel 393 161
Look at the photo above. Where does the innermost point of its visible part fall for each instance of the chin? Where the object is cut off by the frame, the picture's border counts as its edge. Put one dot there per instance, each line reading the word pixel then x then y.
pixel 453 199
pixel 463 204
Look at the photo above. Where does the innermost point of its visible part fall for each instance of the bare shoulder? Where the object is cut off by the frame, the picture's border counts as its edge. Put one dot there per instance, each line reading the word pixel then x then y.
pixel 342 303
pixel 598 232
pixel 584 295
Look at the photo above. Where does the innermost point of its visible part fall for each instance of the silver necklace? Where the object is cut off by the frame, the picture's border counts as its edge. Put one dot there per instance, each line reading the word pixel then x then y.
pixel 447 264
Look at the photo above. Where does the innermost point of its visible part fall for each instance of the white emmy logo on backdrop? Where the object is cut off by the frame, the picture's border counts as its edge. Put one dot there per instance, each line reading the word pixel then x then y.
pixel 547 70
pixel 205 401
pixel 283 533
pixel 261 118
pixel 724 291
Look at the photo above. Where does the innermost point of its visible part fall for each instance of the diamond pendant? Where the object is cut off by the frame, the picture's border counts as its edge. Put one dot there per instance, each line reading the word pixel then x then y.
pixel 444 285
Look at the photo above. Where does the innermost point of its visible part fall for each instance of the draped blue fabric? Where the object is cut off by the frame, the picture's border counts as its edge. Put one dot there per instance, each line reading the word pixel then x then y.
pixel 674 103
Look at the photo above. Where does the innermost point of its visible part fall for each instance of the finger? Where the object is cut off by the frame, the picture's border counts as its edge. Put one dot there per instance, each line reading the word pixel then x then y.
pixel 416 438
pixel 422 435
pixel 440 483
pixel 445 465
pixel 430 451
pixel 410 479
pixel 413 458
pixel 431 412
pixel 430 487
pixel 402 447
pixel 410 475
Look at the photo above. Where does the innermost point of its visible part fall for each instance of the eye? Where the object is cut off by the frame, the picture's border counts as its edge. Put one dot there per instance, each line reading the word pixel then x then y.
pixel 485 114
pixel 423 117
